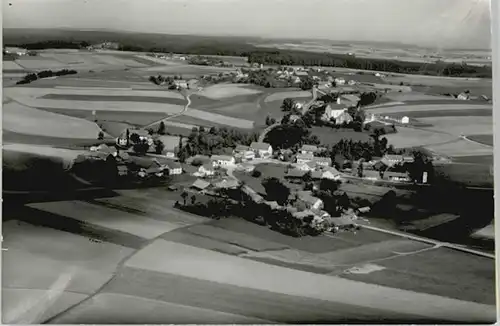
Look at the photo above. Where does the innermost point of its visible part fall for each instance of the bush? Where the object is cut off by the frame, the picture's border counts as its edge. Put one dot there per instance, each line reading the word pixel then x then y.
pixel 256 173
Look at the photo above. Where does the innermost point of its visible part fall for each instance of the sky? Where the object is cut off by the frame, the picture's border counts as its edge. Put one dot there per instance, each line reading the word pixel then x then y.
pixel 436 23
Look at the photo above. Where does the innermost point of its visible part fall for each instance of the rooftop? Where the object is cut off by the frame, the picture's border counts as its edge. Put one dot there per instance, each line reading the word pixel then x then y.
pixel 260 146
pixel 309 148
pixel 295 173
pixel 200 184
pixel 221 158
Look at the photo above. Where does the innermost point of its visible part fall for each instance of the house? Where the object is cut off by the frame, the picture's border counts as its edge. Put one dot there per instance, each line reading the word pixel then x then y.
pixel 308 149
pixel 396 176
pixel 301 73
pixel 322 161
pixel 174 168
pixel 243 153
pixel 304 158
pixel 343 118
pixel 180 83
pixel 200 185
pixel 371 175
pixel 263 150
pixel 405 120
pixel 222 160
pixel 206 170
pixel 364 210
pixel 331 174
pixel 352 82
pixel 332 111
pixel 295 174
pixel 227 184
pixel 310 201
pixel 391 160
pixel 348 100
pixel 340 81
pixel 133 136
pixel 463 96
pixel 296 80
pixel 308 166
pixel 316 175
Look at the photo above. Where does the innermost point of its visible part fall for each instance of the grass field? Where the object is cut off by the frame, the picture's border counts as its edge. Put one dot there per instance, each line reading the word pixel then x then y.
pixel 415 96
pixel 461 148
pixel 474 175
pixel 330 136
pixel 478 159
pixel 460 125
pixel 11 65
pixel 280 96
pixel 21 119
pixel 111 98
pixel 486 139
pixel 222 91
pixel 219 119
pixel 428 107
pixel 410 137
pixel 444 113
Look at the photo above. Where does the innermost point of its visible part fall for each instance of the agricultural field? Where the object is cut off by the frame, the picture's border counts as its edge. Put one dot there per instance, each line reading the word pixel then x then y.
pixel 280 96
pixel 486 139
pixel 471 125
pixel 415 96
pixel 412 137
pixel 461 147
pixel 222 91
pixel 25 120
pixel 330 136
pixel 407 109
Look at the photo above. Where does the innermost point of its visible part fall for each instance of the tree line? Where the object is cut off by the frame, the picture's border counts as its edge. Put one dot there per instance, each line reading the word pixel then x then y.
pixel 213 141
pixel 44 74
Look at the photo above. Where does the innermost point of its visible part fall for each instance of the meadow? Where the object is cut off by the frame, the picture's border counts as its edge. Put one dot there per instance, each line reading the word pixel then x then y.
pixel 486 138
pixel 25 120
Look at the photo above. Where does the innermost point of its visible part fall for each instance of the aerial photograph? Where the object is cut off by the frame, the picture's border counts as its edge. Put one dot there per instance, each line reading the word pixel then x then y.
pixel 247 162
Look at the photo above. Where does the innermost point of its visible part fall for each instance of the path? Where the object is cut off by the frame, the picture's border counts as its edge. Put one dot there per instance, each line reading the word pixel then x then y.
pixel 186 107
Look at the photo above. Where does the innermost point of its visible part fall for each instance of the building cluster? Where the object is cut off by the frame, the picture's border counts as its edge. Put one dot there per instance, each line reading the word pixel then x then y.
pixel 381 169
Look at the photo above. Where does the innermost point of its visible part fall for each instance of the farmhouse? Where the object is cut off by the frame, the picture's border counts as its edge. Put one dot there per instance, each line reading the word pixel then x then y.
pixel 243 153
pixel 200 185
pixel 295 174
pixel 308 149
pixel 333 111
pixel 391 160
pixel 308 166
pixel 304 158
pixel 206 170
pixel 310 201
pixel 371 175
pixel 343 118
pixel 331 174
pixel 396 176
pixel 227 184
pixel 222 160
pixel 263 150
pixel 174 168
pixel 322 161
pixel 180 83
pixel 405 120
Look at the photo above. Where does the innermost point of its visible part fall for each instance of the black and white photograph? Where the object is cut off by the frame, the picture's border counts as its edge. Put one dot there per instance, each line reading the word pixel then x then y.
pixel 248 162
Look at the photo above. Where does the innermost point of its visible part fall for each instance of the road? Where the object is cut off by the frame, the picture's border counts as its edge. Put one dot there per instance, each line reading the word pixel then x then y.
pixel 186 107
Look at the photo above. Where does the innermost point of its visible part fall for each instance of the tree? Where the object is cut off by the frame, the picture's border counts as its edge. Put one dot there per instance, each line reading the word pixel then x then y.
pixel 360 169
pixel 256 173
pixel 287 105
pixel 159 146
pixel 193 199
pixel 161 128
pixel 184 195
pixel 276 190
pixel 100 136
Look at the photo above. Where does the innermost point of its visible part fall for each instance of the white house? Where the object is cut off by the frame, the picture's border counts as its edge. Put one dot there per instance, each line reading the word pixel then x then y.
pixel 304 158
pixel 181 83
pixel 333 111
pixel 343 118
pixel 308 149
pixel 174 168
pixel 263 150
pixel 322 161
pixel 463 96
pixel 307 166
pixel 222 160
pixel 310 201
pixel 206 170
pixel 331 173
pixel 405 120
pixel 340 81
